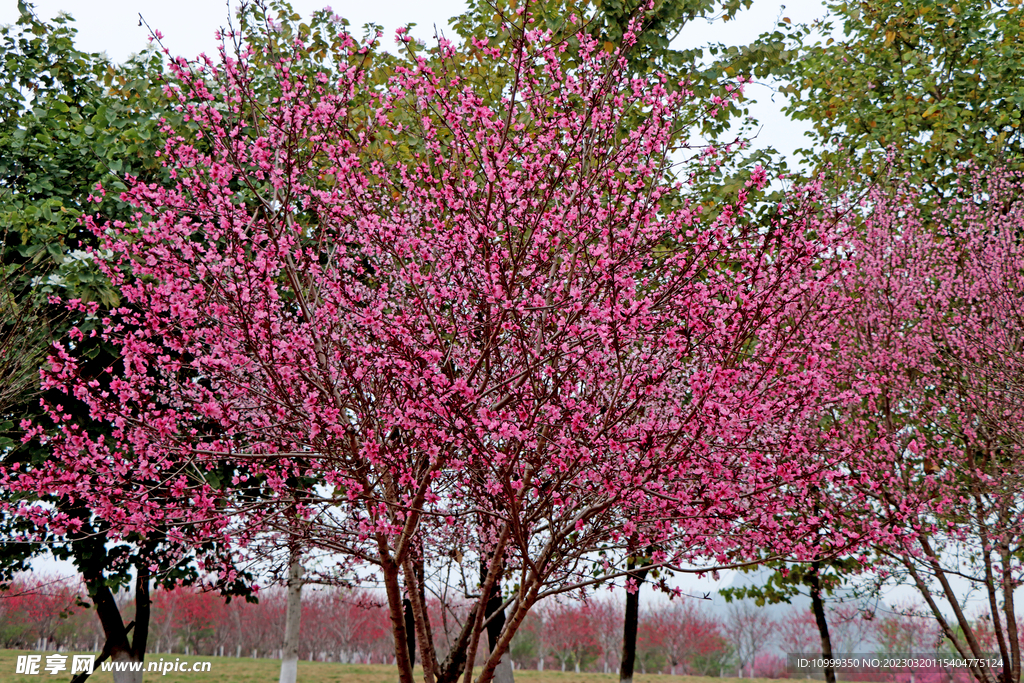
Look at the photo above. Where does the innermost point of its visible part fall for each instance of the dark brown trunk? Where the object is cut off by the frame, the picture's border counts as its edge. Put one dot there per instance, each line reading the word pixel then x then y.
pixel 416 608
pixel 493 612
pixel 455 663
pixel 394 592
pixel 629 628
pixel 428 653
pixel 114 630
pixel 818 606
pixel 495 617
pixel 121 643
pixel 103 656
pixel 493 577
pixel 410 630
pixel 117 645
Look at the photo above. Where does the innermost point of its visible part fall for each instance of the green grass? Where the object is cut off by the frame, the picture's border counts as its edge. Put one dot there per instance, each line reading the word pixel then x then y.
pixel 232 670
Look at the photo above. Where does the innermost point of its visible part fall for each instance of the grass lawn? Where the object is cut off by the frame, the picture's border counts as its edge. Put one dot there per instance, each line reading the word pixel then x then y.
pixel 232 670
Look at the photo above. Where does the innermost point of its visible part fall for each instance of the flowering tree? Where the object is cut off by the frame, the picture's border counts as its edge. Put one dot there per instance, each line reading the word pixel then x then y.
pixel 191 615
pixel 935 338
pixel 570 635
pixel 606 614
pixel 528 647
pixel 849 627
pixel 750 630
pixel 688 634
pixel 650 650
pixel 906 628
pixel 414 324
pixel 798 631
pixel 44 609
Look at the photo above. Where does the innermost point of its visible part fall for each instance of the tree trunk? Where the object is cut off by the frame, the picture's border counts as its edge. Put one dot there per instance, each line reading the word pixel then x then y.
pixel 422 633
pixel 117 646
pixel 818 605
pixel 410 630
pixel 632 621
pixel 453 667
pixel 292 619
pixel 542 649
pixel 496 615
pixel 397 614
pixel 126 658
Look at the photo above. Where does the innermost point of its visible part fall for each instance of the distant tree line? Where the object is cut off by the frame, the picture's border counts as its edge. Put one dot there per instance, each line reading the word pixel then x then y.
pixel 679 637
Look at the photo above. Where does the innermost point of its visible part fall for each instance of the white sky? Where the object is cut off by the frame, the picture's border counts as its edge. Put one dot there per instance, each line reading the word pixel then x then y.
pixel 112 26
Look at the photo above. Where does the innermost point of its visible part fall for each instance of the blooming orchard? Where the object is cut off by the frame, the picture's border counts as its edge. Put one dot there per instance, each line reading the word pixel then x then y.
pixel 429 318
